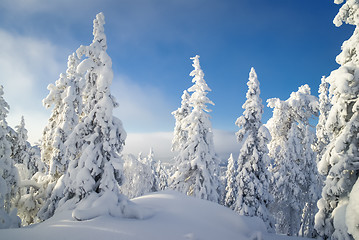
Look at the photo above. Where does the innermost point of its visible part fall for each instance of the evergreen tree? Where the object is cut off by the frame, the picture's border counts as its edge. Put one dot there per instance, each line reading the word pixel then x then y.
pixel 287 185
pixel 95 172
pixel 65 96
pixel 162 176
pixel 138 176
pixel 20 152
pixel 25 154
pixel 339 163
pixel 231 190
pixel 9 179
pixel 294 161
pixel 151 165
pixel 28 163
pixel 324 108
pixel 179 134
pixel 253 177
pixel 197 169
pixel 312 185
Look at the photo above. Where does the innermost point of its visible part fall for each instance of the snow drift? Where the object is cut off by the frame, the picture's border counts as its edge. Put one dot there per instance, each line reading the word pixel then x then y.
pixel 175 216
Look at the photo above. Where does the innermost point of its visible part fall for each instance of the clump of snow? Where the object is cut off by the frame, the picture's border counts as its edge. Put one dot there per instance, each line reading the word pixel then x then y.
pixel 108 204
pixel 352 213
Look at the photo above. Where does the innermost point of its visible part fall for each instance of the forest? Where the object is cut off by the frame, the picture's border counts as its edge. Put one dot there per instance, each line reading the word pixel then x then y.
pixel 298 172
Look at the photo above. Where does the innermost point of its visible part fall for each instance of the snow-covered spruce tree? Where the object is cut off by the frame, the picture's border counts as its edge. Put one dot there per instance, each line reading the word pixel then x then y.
pixel 25 154
pixel 253 178
pixel 136 175
pixel 288 182
pixel 197 169
pixel 151 165
pixel 231 190
pixel 340 161
pixel 162 176
pixel 322 137
pixel 95 173
pixel 9 178
pixel 139 175
pixel 65 96
pixel 293 170
pixel 20 153
pixel 179 133
pixel 28 163
pixel 314 185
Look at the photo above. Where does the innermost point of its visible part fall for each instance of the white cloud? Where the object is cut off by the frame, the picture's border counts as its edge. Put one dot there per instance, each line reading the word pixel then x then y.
pixel 225 143
pixel 27 66
pixel 160 142
pixel 142 108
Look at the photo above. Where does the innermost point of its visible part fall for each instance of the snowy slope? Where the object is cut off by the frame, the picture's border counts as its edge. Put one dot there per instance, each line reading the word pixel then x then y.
pixel 175 217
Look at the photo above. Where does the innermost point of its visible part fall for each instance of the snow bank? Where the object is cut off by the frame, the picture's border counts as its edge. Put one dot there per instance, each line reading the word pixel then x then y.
pixel 175 217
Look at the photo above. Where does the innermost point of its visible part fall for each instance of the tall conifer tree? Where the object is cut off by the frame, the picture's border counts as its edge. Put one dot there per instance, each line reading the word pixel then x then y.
pixel 253 196
pixel 339 163
pixel 197 169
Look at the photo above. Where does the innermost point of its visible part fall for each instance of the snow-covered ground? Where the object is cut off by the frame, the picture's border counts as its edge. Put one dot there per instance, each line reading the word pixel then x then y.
pixel 174 217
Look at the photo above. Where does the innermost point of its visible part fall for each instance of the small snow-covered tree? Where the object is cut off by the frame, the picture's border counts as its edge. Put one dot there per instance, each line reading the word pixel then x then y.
pixel 162 176
pixel 9 179
pixel 25 154
pixel 28 162
pixel 20 153
pixel 197 163
pixel 253 178
pixel 231 186
pixel 293 170
pixel 140 176
pixel 137 177
pixel 151 165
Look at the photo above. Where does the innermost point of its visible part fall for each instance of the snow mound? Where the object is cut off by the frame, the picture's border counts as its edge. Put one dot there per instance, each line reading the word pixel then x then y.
pixel 175 217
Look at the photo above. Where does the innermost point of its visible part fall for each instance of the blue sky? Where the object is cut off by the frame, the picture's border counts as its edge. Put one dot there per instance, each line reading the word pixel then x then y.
pixel 288 42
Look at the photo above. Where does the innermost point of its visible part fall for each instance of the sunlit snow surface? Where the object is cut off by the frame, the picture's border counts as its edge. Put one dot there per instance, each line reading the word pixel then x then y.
pixel 174 217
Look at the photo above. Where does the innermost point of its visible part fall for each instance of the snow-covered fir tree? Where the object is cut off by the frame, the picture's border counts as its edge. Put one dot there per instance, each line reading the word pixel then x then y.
pixel 180 134
pixel 231 189
pixel 135 183
pixel 322 137
pixel 197 164
pixel 95 171
pixel 139 175
pixel 28 162
pixel 293 170
pixel 288 182
pixel 162 176
pixel 151 165
pixel 312 185
pixel 253 178
pixel 336 218
pixel 65 96
pixel 25 154
pixel 9 177
pixel 20 153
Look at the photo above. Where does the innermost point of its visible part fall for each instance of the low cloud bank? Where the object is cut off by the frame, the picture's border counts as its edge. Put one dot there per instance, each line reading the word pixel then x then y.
pixel 224 141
